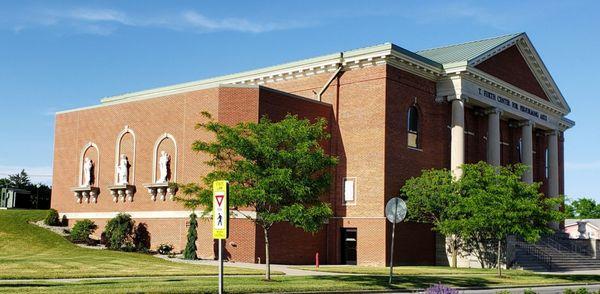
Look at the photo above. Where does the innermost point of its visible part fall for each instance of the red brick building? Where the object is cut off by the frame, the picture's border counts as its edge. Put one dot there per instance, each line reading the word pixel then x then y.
pixel 391 113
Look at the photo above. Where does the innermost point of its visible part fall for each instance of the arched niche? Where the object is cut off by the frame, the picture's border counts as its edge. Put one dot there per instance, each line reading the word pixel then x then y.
pixel 91 151
pixel 125 145
pixel 166 142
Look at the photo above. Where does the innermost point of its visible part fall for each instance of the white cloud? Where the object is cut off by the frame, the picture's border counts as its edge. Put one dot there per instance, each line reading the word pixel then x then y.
pixel 101 21
pixel 200 21
pixel 95 15
pixel 37 174
pixel 582 166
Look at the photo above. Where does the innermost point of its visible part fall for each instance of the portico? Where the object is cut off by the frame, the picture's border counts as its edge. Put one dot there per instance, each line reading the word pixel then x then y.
pixel 529 119
pixel 467 86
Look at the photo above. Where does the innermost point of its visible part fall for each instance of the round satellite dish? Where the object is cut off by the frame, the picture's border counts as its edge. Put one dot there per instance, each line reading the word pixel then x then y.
pixel 395 210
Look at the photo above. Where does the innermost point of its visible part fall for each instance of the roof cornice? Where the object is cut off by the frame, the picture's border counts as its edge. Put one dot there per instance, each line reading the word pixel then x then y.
pixel 513 90
pixel 535 63
pixel 363 57
pixel 541 71
pixel 490 53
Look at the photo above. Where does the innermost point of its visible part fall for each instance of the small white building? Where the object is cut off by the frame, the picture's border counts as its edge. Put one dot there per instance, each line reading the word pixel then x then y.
pixel 14 198
pixel 582 228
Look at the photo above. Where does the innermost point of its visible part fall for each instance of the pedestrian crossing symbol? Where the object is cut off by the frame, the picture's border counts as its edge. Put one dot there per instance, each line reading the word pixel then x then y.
pixel 220 210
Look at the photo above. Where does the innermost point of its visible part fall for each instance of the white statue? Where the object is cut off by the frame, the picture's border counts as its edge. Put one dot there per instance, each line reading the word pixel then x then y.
pixel 123 171
pixel 88 167
pixel 163 164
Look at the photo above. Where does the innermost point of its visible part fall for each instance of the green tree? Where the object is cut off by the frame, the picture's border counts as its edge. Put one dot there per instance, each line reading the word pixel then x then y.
pixel 582 208
pixel 496 203
pixel 483 207
pixel 431 198
pixel 278 169
pixel 192 236
pixel 19 180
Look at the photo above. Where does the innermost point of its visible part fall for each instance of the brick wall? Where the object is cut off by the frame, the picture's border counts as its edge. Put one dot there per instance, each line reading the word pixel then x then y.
pixel 415 243
pixel 476 134
pixel 149 120
pixel 358 101
pixel 510 66
pixel 367 113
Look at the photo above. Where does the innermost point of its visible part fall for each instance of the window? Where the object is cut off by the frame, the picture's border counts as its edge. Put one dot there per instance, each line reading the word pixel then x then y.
pixel 520 149
pixel 547 163
pixel 349 190
pixel 413 127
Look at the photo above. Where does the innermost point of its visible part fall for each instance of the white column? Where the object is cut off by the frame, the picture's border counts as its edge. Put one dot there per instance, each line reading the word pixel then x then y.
pixel 553 169
pixel 493 137
pixel 527 150
pixel 553 164
pixel 457 140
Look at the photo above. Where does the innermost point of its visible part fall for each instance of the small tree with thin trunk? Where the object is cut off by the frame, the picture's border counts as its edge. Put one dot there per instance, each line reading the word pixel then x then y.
pixel 430 199
pixel 496 203
pixel 277 169
pixel 482 208
pixel 192 236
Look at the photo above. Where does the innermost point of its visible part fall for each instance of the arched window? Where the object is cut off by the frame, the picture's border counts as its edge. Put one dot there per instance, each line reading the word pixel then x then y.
pixel 413 127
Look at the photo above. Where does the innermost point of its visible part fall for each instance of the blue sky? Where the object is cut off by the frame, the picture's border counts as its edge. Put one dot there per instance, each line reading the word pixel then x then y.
pixel 62 55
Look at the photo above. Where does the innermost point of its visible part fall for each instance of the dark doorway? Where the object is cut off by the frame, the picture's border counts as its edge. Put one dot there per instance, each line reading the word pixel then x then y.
pixel 348 246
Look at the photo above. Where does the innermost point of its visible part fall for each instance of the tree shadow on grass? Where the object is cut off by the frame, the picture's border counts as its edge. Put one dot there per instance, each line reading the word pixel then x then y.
pixel 409 282
pixel 575 278
pixel 28 285
pixel 425 281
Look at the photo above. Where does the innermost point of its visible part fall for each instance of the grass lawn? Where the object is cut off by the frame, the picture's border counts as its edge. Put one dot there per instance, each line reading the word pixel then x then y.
pixel 279 284
pixel 28 251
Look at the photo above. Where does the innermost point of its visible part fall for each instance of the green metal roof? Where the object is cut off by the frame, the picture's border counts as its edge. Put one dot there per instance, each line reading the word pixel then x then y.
pixel 464 51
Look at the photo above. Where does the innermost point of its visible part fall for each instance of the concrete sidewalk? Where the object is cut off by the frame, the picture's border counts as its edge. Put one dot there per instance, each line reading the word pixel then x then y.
pixel 584 272
pixel 286 269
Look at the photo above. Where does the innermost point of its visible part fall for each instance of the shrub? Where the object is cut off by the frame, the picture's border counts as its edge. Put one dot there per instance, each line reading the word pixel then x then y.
pixel 82 230
pixel 440 289
pixel 128 246
pixel 118 231
pixel 165 249
pixel 52 218
pixel 192 236
pixel 141 238
pixel 64 221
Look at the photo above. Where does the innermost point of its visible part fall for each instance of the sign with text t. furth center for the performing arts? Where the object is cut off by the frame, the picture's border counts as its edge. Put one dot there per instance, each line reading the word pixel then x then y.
pixel 220 210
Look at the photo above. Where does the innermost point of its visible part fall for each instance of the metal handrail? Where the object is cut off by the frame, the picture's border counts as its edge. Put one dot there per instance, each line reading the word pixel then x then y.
pixel 539 254
pixel 552 241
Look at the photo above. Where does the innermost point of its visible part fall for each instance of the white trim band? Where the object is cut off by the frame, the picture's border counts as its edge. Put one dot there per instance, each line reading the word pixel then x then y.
pixel 176 214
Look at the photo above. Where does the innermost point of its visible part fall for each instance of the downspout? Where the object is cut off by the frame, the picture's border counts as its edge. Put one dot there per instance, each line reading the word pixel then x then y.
pixel 333 76
pixel 336 101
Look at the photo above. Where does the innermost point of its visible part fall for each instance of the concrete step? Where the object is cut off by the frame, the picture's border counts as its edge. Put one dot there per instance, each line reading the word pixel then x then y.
pixel 561 260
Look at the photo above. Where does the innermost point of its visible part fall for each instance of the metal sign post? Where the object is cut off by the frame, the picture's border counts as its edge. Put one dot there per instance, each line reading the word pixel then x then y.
pixel 220 215
pixel 395 212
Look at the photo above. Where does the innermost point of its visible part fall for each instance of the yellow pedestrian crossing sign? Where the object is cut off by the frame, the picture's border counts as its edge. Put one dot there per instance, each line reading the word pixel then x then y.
pixel 220 209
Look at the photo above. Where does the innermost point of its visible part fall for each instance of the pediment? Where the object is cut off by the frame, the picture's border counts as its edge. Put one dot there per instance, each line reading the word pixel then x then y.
pixel 516 62
pixel 510 66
